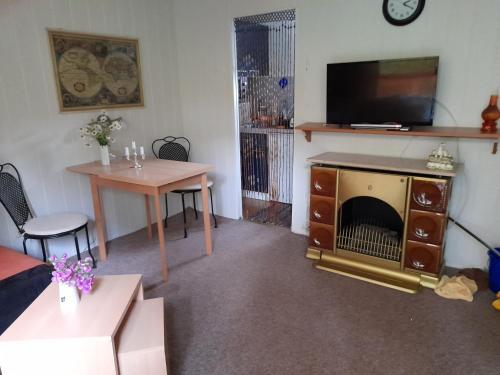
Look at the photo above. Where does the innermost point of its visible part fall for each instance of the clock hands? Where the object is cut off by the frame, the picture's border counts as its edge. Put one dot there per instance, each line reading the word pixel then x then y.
pixel 406 4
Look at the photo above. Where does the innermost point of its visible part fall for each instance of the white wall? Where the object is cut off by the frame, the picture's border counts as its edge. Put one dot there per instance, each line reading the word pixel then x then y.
pixel 41 142
pixel 466 36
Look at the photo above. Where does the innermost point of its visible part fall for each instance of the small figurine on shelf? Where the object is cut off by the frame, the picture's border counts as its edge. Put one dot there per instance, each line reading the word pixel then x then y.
pixel 135 154
pixel 440 159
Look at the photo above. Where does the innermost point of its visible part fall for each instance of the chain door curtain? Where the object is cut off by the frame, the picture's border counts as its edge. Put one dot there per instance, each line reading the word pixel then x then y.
pixel 265 57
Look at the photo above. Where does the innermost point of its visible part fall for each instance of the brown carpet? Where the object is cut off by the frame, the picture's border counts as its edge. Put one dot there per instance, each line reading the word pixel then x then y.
pixel 257 306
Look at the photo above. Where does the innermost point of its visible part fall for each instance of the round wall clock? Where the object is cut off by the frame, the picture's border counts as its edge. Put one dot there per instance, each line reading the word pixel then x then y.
pixel 402 12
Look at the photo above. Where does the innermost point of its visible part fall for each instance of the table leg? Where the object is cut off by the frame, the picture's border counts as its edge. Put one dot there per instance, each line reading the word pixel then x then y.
pixel 148 215
pixel 161 236
pixel 99 218
pixel 206 215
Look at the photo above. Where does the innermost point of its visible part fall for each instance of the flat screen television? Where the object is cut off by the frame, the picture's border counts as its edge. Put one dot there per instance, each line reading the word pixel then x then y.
pixel 385 91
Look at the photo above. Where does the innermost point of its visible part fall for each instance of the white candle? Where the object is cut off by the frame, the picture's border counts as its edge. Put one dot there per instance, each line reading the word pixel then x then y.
pixel 133 145
pixel 127 152
pixel 141 151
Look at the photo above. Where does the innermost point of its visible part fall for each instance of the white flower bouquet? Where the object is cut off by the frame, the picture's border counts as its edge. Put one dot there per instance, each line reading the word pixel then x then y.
pixel 100 129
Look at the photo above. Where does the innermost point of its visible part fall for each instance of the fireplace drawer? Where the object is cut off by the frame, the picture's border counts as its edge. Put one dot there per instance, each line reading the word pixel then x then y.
pixel 324 181
pixel 423 257
pixel 426 227
pixel 429 194
pixel 321 236
pixel 322 210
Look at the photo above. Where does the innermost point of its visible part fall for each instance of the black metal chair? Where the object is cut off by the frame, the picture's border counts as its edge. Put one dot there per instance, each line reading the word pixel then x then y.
pixel 40 228
pixel 178 148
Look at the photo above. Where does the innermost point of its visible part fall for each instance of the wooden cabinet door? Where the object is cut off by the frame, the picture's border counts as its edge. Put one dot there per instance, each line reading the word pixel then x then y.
pixel 321 236
pixel 323 181
pixel 426 227
pixel 429 194
pixel 322 210
pixel 423 257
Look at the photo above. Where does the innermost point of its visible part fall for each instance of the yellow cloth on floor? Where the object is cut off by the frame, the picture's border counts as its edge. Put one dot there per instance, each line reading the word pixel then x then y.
pixel 456 287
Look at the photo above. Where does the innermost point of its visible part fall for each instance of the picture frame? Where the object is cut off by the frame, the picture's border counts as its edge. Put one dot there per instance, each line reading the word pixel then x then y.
pixel 95 71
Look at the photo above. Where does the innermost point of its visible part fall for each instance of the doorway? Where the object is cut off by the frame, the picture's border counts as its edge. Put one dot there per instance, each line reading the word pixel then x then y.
pixel 265 67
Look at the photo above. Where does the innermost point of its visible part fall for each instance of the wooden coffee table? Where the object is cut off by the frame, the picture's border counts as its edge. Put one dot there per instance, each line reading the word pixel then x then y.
pixel 113 330
pixel 156 178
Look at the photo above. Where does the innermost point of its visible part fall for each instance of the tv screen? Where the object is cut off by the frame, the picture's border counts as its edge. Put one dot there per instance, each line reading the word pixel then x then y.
pixel 386 91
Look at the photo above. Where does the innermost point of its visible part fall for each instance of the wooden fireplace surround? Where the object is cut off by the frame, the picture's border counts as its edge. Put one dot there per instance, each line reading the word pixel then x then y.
pixel 424 210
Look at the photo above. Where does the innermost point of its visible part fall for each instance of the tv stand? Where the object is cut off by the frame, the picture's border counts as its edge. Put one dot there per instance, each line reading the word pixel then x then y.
pixel 416 131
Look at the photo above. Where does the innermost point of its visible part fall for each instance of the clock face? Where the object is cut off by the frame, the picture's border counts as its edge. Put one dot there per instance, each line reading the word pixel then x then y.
pixel 402 12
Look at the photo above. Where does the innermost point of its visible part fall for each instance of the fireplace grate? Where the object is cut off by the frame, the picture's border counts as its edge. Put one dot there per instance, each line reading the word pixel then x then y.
pixel 370 238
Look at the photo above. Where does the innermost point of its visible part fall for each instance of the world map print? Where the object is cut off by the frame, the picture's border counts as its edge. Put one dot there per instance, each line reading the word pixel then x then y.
pixel 95 71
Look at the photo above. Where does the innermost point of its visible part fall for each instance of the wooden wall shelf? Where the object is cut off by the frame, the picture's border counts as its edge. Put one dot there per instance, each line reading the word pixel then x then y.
pixel 420 131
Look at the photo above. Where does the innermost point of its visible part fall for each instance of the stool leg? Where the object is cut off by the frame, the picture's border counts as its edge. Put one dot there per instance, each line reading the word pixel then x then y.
pixel 24 245
pixel 88 245
pixel 184 215
pixel 194 205
pixel 77 245
pixel 166 211
pixel 212 204
pixel 43 250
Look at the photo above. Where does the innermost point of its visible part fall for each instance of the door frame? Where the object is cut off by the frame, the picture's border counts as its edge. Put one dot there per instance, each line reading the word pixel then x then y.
pixel 236 112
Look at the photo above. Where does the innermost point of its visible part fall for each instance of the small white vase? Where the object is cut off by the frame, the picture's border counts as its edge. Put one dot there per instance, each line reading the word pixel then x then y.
pixel 104 155
pixel 69 298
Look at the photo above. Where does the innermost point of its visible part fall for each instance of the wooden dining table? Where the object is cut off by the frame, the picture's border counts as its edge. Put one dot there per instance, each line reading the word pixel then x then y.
pixel 155 178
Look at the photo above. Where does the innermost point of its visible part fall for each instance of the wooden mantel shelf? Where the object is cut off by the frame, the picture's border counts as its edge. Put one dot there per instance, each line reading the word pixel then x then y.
pixel 383 163
pixel 417 131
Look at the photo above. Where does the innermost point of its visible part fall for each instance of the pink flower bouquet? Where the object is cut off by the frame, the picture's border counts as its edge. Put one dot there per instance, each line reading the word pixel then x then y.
pixel 77 274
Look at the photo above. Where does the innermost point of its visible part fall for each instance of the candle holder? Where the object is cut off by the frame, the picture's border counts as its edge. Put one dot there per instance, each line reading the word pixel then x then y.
pixel 135 155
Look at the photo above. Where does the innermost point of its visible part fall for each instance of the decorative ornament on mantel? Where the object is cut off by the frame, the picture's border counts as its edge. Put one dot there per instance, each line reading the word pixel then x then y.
pixel 99 130
pixel 490 116
pixel 440 159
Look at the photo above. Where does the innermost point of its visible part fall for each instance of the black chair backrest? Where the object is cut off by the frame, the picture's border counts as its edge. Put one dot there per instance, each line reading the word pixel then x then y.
pixel 171 148
pixel 12 195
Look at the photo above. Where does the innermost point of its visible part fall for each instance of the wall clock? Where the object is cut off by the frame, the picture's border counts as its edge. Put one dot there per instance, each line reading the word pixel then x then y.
pixel 402 12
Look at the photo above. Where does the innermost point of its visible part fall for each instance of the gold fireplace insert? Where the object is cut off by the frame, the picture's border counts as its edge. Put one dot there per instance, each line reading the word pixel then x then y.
pixel 380 220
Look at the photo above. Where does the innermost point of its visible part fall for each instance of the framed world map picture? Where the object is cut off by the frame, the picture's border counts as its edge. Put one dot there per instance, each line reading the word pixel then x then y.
pixel 94 71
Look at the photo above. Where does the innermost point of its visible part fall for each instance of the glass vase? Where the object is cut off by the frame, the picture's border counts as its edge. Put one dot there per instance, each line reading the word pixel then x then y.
pixel 490 116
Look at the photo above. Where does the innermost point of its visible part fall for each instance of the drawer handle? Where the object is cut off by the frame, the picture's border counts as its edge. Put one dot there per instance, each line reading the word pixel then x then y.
pixel 316 242
pixel 317 186
pixel 316 214
pixel 423 201
pixel 417 264
pixel 421 233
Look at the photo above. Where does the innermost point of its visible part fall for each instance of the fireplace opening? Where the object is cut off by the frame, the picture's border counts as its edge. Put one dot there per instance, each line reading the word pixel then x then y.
pixel 370 226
